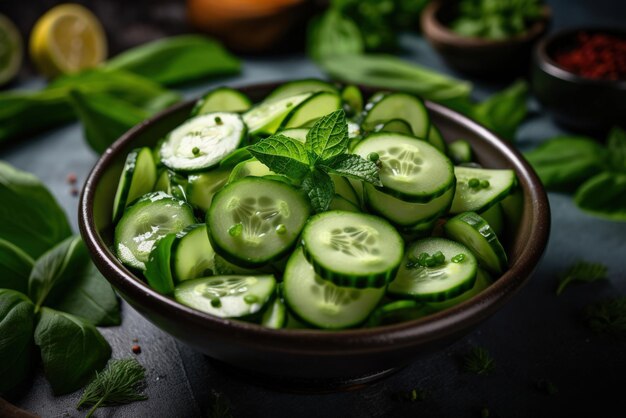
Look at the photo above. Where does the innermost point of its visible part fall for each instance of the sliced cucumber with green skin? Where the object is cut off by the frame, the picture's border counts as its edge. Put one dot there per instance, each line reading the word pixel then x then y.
pixel 321 303
pixel 495 218
pixel 398 311
pixel 223 266
pixel 406 214
pixel 352 249
pixel 435 138
pixel 202 187
pixel 358 188
pixel 460 152
pixel 265 117
pixel 172 184
pixel 227 296
pixel 398 126
pixel 421 230
pixel 385 107
pixel 249 168
pixel 158 271
pixel 474 232
pixel 410 169
pixel 443 281
pixel 255 221
pixel 235 157
pixel 344 189
pixel 193 256
pixel 299 134
pixel 340 203
pixel 203 141
pixel 483 281
pixel 149 219
pixel 353 100
pixel 297 87
pixel 492 187
pixel 222 99
pixel 138 178
pixel 318 105
pixel 275 316
pixel 513 209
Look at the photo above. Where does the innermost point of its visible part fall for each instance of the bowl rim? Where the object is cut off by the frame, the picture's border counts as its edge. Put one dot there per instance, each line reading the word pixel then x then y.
pixel 550 66
pixel 448 322
pixel 435 29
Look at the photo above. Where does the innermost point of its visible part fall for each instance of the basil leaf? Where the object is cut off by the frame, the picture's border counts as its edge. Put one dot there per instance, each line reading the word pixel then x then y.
pixel 15 267
pixel 320 189
pixel 328 137
pixel 16 338
pixel 177 60
pixel 104 118
pixel 32 219
pixel 564 162
pixel 504 111
pixel 72 350
pixel 282 155
pixel 334 34
pixel 354 166
pixel 604 195
pixel 617 149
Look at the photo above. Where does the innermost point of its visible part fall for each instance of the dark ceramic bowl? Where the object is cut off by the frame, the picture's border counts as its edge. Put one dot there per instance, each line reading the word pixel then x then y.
pixel 505 58
pixel 307 355
pixel 580 103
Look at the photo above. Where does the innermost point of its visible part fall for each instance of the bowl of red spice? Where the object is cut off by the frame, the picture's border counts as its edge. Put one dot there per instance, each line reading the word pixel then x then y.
pixel 579 74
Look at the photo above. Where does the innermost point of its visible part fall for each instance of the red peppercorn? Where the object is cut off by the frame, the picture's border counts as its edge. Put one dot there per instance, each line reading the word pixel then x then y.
pixel 596 56
pixel 136 349
pixel 71 178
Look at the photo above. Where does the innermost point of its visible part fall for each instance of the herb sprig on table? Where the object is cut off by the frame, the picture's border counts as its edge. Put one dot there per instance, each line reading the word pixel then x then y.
pixel 581 272
pixel 51 295
pixel 608 317
pixel 478 361
pixel 311 163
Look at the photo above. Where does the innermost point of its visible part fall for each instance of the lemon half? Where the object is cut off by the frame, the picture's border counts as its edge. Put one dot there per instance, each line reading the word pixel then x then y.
pixel 11 50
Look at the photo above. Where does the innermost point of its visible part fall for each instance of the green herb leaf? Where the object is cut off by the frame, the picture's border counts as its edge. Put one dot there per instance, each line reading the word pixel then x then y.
pixel 16 338
pixel 334 34
pixel 72 350
pixel 478 361
pixel 582 272
pixel 353 166
pixel 504 111
pixel 282 155
pixel 177 60
pixel 617 149
pixel 564 162
pixel 320 188
pixel 604 195
pixel 15 267
pixel 495 19
pixel 104 118
pixel 33 220
pixel 328 137
pixel 120 383
pixel 608 317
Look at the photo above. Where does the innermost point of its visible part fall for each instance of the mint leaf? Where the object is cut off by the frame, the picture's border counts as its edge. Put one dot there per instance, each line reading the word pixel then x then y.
pixel 504 111
pixel 353 166
pixel 15 267
pixel 603 195
pixel 328 137
pixel 617 149
pixel 320 188
pixel 282 155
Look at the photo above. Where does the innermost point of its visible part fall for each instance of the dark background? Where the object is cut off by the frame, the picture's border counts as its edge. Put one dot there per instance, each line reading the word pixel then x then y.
pixel 535 336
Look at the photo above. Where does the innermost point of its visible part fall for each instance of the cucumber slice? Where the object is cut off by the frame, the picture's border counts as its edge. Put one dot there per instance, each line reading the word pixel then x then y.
pixel 227 296
pixel 437 283
pixel 222 99
pixel 483 281
pixel 477 199
pixel 435 138
pixel 294 88
pixel 202 141
pixel 460 152
pixel 266 117
pixel 352 249
pixel 340 203
pixel 299 134
pixel 398 311
pixel 344 189
pixel 254 220
pixel 193 256
pixel 385 107
pixel 202 187
pixel 352 99
pixel 249 168
pixel 513 209
pixel 473 231
pixel 145 222
pixel 235 157
pixel 172 184
pixel 275 316
pixel 398 126
pixel 318 105
pixel 158 268
pixel 322 303
pixel 137 178
pixel 495 218
pixel 411 169
pixel 406 214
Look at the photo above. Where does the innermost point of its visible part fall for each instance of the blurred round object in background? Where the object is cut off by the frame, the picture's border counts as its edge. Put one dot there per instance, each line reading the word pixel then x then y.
pixel 11 50
pixel 250 26
pixel 66 39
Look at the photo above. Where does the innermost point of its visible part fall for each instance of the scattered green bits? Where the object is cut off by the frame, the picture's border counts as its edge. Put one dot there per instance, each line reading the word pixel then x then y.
pixel 218 120
pixel 474 183
pixel 484 184
pixel 195 150
pixel 608 317
pixel 458 258
pixel 250 299
pixel 281 229
pixel 478 361
pixel 373 156
pixel 235 230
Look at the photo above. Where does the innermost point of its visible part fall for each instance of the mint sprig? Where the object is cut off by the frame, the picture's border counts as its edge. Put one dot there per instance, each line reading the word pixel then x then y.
pixel 311 163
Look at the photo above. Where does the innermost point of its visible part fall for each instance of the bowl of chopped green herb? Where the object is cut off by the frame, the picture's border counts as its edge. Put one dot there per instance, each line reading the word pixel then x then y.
pixel 486 37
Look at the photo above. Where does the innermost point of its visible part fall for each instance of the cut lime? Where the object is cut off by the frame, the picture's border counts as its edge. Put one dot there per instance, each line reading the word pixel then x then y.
pixel 11 50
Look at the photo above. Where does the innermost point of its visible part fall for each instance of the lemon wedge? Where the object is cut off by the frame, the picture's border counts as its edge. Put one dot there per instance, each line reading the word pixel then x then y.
pixel 66 39
pixel 11 50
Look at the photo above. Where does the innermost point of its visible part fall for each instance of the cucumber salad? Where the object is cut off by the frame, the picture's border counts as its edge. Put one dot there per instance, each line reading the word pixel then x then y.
pixel 313 209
